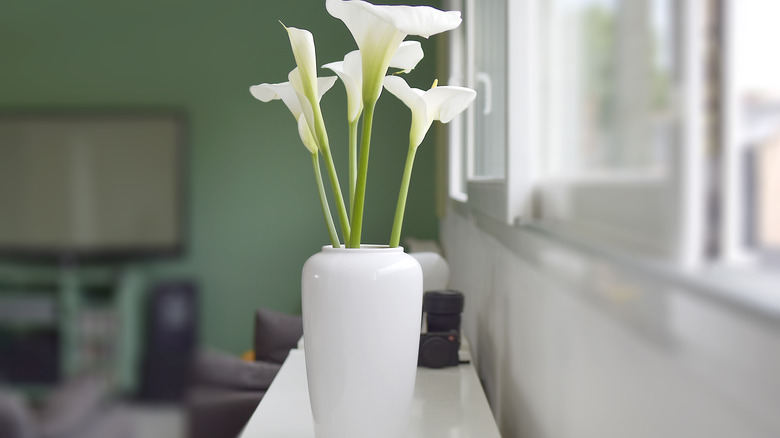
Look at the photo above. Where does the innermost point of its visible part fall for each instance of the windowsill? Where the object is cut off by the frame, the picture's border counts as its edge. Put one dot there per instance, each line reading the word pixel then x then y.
pixel 752 283
pixel 750 288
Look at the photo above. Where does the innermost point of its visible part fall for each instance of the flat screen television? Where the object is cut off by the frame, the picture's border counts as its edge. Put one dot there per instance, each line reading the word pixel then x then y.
pixel 91 186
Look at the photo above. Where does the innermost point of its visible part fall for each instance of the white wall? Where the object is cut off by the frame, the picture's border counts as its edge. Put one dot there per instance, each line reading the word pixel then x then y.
pixel 569 345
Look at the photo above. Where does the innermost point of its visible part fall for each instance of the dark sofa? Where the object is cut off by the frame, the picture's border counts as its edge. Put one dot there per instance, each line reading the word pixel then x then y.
pixel 226 390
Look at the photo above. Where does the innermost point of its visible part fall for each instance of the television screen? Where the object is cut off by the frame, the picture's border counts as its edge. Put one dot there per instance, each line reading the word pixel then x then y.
pixel 91 185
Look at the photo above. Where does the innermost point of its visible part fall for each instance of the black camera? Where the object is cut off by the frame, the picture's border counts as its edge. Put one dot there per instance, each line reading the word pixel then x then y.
pixel 439 344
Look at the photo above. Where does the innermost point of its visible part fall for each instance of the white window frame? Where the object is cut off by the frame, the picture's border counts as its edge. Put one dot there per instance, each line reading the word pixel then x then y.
pixel 508 199
pixel 732 249
pixel 455 132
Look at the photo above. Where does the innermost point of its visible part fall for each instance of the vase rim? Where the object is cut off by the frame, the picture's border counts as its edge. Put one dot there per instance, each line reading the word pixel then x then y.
pixel 364 248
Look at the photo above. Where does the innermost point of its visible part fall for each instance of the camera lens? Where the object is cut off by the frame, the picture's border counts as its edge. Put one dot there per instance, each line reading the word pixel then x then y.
pixel 443 301
pixel 443 310
pixel 439 322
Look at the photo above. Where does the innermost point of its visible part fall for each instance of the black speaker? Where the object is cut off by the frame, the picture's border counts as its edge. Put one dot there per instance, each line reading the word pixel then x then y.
pixel 170 341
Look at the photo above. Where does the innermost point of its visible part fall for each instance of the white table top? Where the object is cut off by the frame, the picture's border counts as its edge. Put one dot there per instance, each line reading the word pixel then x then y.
pixel 448 403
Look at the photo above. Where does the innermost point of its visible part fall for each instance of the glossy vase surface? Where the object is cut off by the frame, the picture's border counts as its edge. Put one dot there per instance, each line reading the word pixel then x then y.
pixel 361 319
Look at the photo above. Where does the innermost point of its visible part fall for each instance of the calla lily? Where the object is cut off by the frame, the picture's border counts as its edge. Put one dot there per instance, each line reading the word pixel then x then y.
pixel 297 104
pixel 304 81
pixel 379 30
pixel 350 71
pixel 313 116
pixel 438 103
pixel 302 43
pixel 408 55
pixel 307 105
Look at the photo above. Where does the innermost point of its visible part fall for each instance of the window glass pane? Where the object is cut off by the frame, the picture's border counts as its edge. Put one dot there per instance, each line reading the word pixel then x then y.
pixel 488 33
pixel 756 76
pixel 612 67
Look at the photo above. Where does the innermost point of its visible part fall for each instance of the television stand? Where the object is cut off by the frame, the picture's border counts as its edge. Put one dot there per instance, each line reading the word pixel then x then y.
pixel 79 323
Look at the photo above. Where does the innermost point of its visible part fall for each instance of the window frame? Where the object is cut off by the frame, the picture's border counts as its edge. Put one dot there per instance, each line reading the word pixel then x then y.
pixel 623 223
pixel 510 198
pixel 521 197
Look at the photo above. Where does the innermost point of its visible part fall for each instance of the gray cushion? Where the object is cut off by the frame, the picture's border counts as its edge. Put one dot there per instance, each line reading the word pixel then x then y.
pixel 276 334
pixel 16 420
pixel 72 405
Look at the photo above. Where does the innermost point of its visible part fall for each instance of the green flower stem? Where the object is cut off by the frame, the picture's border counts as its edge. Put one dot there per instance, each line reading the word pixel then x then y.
pixel 334 237
pixel 395 235
pixel 360 188
pixel 353 136
pixel 322 140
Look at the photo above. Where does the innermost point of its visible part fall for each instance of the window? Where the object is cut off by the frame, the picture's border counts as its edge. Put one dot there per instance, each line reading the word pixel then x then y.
pixel 749 160
pixel 588 118
pixel 651 126
pixel 622 142
pixel 484 167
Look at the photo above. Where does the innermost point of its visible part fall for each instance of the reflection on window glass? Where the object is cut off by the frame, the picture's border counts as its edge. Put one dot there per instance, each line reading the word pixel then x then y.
pixel 757 85
pixel 612 72
pixel 767 186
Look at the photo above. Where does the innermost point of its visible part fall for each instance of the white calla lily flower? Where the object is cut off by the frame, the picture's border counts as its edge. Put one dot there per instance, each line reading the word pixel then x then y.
pixel 282 91
pixel 408 55
pixel 302 43
pixel 295 102
pixel 307 105
pixel 379 30
pixel 439 103
pixel 350 71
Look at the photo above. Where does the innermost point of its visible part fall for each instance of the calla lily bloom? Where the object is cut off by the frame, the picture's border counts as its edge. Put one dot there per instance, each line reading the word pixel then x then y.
pixel 379 30
pixel 408 55
pixel 307 105
pixel 350 71
pixel 302 43
pixel 438 103
pixel 297 104
pixel 304 81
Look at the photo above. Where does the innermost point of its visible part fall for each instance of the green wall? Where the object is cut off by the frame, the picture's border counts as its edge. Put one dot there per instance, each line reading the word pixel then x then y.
pixel 254 216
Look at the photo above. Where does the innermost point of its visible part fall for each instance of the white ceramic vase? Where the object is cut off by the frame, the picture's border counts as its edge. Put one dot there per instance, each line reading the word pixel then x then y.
pixel 361 322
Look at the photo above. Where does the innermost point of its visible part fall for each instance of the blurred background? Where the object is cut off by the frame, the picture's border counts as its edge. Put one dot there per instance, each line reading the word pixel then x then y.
pixel 609 206
pixel 134 160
